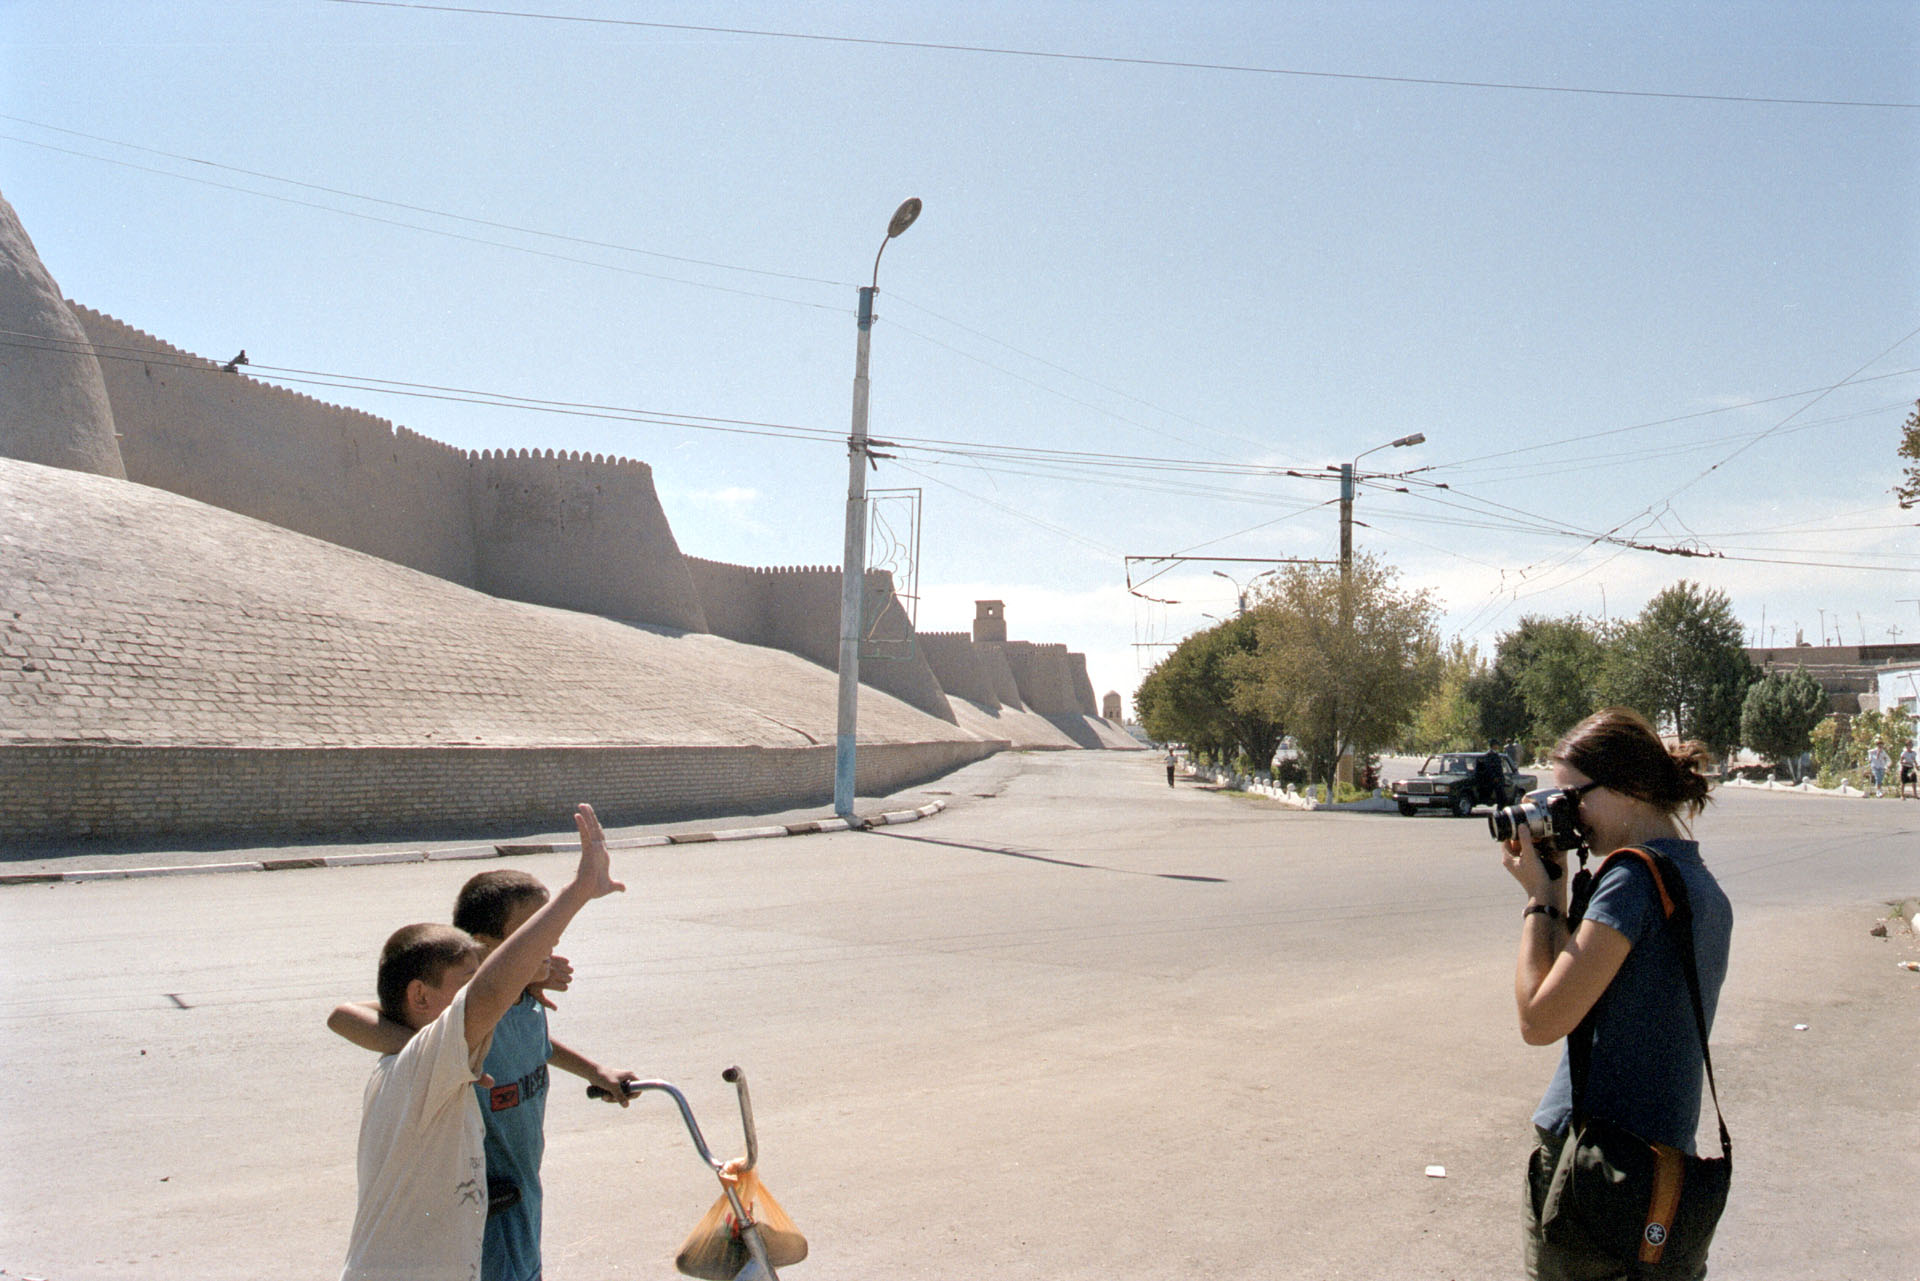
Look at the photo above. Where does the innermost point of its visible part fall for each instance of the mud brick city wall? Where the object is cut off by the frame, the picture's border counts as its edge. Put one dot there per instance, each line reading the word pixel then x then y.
pixel 123 793
pixel 574 531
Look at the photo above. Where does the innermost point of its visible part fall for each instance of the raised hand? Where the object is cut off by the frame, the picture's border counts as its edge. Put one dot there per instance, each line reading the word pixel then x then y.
pixel 595 874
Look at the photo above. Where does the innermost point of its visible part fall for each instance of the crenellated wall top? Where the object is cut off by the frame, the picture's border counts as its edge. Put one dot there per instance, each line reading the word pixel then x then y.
pixel 558 456
pixel 149 344
pixel 790 571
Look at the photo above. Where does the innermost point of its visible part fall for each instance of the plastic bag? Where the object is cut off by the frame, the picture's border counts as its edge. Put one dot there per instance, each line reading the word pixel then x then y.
pixel 715 1249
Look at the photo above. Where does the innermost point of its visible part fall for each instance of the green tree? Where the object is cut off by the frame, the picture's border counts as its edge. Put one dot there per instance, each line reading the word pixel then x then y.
pixel 1779 713
pixel 1502 711
pixel 1448 719
pixel 1192 696
pixel 1681 663
pixel 1343 667
pixel 1555 667
pixel 1908 490
pixel 1832 749
pixel 1896 729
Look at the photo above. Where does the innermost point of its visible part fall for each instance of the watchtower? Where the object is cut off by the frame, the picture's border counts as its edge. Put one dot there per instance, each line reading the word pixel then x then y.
pixel 989 620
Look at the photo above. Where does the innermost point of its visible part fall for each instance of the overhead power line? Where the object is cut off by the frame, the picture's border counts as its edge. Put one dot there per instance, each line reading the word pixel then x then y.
pixel 399 204
pixel 1119 60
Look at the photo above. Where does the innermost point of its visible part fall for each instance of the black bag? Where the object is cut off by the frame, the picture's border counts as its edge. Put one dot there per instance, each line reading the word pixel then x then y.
pixel 1633 1200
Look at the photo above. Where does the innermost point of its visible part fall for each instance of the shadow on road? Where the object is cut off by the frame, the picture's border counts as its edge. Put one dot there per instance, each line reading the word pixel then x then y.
pixel 1042 858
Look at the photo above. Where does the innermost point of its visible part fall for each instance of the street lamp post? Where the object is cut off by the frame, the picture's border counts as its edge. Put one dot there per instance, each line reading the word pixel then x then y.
pixel 853 565
pixel 1241 592
pixel 1345 768
pixel 1346 504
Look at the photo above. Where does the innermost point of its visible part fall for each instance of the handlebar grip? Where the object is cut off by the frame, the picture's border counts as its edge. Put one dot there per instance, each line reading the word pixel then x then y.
pixel 595 1092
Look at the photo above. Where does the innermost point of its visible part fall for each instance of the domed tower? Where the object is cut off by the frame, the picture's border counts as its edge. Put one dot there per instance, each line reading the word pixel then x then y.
pixel 53 402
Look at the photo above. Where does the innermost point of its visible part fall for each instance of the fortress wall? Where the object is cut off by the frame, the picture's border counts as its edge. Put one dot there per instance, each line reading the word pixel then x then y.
pixel 61 794
pixel 574 531
pixel 191 428
pixel 797 608
pixel 1046 685
pixel 580 532
pixel 993 661
pixel 956 665
pixel 733 598
pixel 1083 695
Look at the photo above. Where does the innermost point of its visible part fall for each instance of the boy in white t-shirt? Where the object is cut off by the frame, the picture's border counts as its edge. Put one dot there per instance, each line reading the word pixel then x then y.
pixel 422 1175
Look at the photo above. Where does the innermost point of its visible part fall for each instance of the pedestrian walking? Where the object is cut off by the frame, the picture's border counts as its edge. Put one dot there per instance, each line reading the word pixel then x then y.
pixel 1170 764
pixel 1909 773
pixel 1877 764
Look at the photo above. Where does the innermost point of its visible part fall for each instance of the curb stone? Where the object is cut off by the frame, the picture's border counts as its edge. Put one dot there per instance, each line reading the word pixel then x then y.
pixel 460 852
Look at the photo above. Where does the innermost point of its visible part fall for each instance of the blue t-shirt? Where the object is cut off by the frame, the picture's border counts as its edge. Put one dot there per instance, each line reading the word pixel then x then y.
pixel 1646 1069
pixel 515 1112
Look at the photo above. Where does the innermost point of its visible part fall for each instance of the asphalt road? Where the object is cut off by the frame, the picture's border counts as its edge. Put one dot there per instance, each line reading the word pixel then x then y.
pixel 1081 1026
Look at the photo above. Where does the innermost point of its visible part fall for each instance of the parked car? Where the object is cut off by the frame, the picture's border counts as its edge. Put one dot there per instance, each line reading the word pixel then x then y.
pixel 1458 781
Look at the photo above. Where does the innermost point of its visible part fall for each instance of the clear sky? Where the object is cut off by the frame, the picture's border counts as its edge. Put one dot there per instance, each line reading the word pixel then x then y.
pixel 1642 270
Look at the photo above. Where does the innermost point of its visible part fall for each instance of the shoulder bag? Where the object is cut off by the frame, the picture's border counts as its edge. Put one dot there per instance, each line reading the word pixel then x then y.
pixel 1631 1199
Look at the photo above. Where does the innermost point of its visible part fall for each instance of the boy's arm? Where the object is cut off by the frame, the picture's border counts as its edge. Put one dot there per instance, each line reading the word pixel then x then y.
pixel 366 1027
pixel 509 968
pixel 613 1083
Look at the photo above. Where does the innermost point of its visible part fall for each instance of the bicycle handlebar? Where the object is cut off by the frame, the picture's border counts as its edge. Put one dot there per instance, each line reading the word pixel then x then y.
pixel 734 1077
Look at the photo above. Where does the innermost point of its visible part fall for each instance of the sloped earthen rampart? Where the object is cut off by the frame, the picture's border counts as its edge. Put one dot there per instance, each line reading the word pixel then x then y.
pixel 169 666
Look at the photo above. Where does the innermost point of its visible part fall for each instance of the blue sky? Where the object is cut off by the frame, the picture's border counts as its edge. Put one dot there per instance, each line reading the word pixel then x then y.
pixel 1655 312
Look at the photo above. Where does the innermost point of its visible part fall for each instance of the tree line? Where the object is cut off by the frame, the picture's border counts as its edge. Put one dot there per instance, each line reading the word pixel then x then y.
pixel 1353 664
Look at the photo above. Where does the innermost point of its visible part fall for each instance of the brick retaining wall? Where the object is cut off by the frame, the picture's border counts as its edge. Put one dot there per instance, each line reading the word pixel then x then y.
pixel 132 793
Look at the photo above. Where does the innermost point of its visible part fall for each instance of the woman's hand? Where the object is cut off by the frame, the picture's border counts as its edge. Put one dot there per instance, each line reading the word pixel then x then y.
pixel 1525 863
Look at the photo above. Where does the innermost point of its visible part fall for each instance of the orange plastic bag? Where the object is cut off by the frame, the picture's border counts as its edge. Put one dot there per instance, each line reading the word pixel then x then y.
pixel 715 1249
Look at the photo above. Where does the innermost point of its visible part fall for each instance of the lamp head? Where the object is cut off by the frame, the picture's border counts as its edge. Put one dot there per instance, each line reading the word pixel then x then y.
pixel 903 217
pixel 1417 438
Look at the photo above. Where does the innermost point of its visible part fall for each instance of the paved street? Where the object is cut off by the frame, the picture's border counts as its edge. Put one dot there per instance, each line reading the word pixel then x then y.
pixel 1079 1026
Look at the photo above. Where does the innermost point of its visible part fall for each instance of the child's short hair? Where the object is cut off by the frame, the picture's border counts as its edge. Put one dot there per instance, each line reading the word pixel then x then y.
pixel 424 952
pixel 488 899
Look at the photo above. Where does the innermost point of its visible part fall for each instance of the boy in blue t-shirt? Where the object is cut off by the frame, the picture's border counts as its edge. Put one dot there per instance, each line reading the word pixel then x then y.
pixel 513 1105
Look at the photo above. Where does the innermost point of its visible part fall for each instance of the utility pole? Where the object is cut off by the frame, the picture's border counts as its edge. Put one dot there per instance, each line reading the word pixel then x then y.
pixel 1346 514
pixel 853 565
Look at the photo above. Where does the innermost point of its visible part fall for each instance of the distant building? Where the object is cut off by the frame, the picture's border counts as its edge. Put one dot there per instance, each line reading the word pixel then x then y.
pixel 1856 678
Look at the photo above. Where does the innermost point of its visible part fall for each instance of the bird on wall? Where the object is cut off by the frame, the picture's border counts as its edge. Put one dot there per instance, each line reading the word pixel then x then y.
pixel 233 366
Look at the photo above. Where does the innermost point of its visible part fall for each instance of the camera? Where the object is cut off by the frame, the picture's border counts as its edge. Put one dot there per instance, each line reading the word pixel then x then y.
pixel 1550 816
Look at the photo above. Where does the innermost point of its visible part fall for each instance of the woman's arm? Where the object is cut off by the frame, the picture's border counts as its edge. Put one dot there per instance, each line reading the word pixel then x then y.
pixel 1560 977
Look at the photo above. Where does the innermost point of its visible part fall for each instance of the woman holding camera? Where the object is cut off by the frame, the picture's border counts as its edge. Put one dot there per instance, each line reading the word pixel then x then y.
pixel 1620 964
